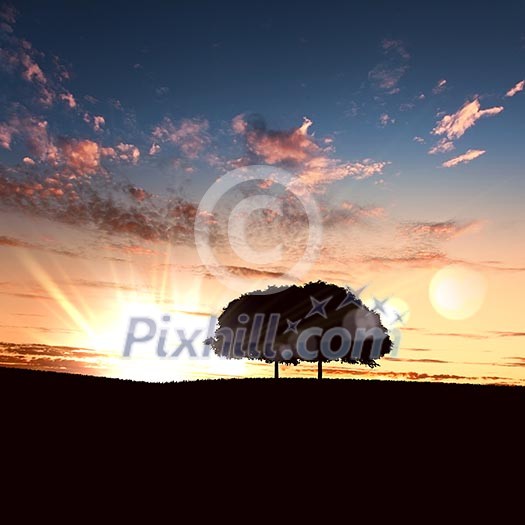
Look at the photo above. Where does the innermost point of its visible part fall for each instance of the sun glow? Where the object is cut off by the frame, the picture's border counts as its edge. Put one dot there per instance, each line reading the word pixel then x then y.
pixel 457 292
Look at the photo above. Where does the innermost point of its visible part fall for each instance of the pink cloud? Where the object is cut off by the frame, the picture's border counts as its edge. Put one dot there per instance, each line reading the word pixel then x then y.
pixel 443 146
pixel 439 87
pixel 294 146
pixel 516 89
pixel 82 157
pixel 395 45
pixel 8 13
pixel 98 122
pixel 454 126
pixel 322 170
pixel 6 135
pixel 128 152
pixel 385 119
pixel 155 148
pixel 297 150
pixel 34 132
pixel 32 71
pixel 385 77
pixel 471 154
pixel 190 135
pixel 108 152
pixel 69 99
pixel 387 74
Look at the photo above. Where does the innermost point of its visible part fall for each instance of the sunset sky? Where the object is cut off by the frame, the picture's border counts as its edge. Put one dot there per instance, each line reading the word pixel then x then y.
pixel 403 125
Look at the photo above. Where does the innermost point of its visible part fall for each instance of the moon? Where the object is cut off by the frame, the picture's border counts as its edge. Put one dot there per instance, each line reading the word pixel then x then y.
pixel 457 292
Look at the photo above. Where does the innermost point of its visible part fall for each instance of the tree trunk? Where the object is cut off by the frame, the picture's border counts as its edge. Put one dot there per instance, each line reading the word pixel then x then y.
pixel 319 369
pixel 276 370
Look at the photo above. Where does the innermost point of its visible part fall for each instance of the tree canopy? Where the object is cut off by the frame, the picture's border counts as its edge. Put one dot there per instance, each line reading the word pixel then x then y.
pixel 270 325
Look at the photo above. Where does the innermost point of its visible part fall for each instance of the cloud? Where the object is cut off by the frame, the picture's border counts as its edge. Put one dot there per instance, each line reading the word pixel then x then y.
pixel 95 121
pixel 516 89
pixel 454 126
pixel 386 75
pixel 439 87
pixel 509 334
pixel 55 358
pixel 81 157
pixel 189 135
pixel 243 271
pixel 297 150
pixel 127 152
pixel 348 213
pixel 385 119
pixel 78 202
pixel 33 131
pixel 440 230
pixel 139 194
pixel 470 155
pixel 98 122
pixel 291 146
pixel 418 259
pixel 8 14
pixel 322 170
pixel 155 148
pixel 443 146
pixel 69 99
pixel 395 46
pixel 6 135
pixel 12 242
pixel 162 91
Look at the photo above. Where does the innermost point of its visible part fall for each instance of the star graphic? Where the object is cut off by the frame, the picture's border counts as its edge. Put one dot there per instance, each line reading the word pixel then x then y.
pixel 380 305
pixel 400 317
pixel 352 297
pixel 359 291
pixel 318 307
pixel 292 326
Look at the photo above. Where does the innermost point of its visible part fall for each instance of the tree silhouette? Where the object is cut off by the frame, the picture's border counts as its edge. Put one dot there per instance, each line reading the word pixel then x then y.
pixel 267 325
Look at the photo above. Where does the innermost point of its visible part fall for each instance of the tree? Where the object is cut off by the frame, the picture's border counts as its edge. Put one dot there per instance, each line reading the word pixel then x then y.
pixel 290 324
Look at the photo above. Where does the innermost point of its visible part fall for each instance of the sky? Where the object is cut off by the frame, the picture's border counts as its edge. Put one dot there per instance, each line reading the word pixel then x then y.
pixel 397 127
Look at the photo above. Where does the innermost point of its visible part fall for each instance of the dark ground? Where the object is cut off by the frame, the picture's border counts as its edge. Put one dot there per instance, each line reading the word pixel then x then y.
pixel 200 433
pixel 49 398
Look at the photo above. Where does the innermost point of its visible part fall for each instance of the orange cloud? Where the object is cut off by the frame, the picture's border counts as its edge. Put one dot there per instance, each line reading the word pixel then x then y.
pixel 471 154
pixel 81 156
pixel 441 230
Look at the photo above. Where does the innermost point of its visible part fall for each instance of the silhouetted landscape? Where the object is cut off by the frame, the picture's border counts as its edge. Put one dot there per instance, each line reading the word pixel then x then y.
pixel 72 401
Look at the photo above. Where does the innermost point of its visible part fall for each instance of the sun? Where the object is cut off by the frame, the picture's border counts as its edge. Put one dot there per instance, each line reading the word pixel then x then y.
pixel 457 292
